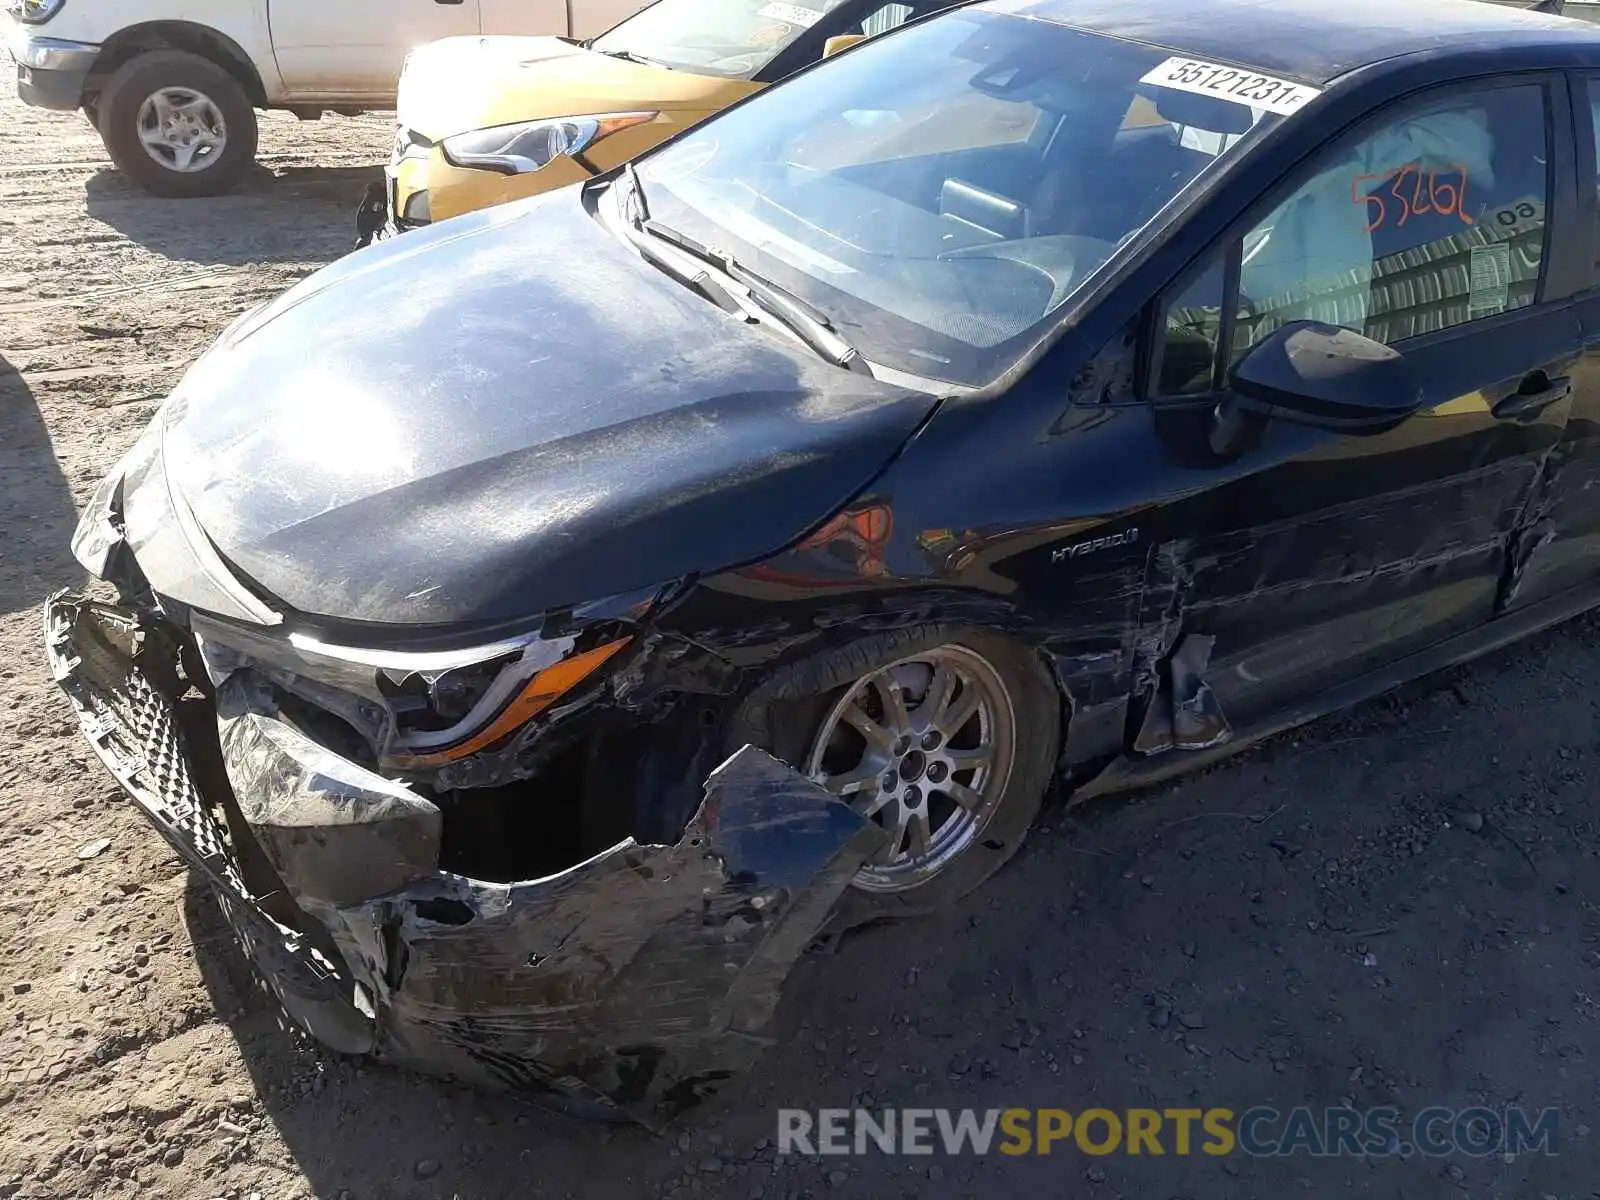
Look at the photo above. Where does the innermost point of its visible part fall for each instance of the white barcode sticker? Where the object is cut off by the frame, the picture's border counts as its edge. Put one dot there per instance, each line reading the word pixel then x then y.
pixel 1489 279
pixel 1249 88
pixel 793 14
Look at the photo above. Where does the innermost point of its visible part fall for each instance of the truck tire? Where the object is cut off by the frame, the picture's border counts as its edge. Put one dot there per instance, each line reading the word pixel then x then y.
pixel 177 124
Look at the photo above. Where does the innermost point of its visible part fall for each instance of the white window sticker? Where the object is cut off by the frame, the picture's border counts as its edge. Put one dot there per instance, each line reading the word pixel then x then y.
pixel 1489 280
pixel 793 14
pixel 1231 83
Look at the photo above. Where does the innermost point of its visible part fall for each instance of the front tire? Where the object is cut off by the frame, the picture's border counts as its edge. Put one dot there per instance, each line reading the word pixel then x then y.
pixel 177 124
pixel 946 739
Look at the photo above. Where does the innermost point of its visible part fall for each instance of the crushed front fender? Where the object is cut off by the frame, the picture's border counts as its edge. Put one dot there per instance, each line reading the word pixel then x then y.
pixel 635 981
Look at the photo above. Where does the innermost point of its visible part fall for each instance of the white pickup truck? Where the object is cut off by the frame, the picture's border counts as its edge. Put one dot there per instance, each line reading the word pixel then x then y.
pixel 172 85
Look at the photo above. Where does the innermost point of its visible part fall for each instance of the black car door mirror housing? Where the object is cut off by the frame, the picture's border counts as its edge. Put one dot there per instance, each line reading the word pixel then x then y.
pixel 1316 374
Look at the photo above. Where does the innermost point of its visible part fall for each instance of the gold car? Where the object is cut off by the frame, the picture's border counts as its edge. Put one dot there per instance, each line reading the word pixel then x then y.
pixel 484 120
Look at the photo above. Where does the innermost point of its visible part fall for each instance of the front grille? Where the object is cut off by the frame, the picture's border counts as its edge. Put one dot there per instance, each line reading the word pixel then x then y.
pixel 148 722
pixel 133 728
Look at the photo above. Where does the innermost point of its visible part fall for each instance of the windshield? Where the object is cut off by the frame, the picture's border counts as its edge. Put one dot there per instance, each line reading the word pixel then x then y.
pixel 940 191
pixel 714 37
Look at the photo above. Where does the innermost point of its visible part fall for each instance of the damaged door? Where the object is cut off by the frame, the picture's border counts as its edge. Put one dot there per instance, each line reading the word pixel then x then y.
pixel 1305 556
pixel 1558 546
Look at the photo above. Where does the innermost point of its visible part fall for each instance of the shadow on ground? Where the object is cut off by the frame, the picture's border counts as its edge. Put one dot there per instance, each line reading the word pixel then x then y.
pixel 362 1128
pixel 246 226
pixel 35 558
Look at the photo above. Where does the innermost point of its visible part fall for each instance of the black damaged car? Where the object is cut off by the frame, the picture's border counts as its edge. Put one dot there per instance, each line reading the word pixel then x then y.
pixel 539 628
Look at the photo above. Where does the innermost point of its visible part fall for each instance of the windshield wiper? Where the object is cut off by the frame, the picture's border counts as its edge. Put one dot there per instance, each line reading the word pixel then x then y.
pixel 701 280
pixel 807 323
pixel 636 210
pixel 630 56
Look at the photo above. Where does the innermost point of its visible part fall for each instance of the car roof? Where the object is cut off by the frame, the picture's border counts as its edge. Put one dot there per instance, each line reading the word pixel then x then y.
pixel 1311 40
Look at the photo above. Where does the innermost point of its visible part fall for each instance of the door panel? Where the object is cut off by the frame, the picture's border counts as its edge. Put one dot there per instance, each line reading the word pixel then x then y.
pixel 590 18
pixel 1311 556
pixel 1558 547
pixel 357 47
pixel 1316 557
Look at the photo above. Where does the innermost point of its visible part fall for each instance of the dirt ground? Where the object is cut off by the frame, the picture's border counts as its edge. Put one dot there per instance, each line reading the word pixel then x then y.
pixel 1394 907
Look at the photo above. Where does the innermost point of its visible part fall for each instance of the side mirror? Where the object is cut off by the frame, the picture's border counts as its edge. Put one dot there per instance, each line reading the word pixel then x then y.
pixel 1327 377
pixel 840 41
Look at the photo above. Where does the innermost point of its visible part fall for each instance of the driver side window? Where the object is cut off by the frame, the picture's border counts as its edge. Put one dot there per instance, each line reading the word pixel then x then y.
pixel 1433 219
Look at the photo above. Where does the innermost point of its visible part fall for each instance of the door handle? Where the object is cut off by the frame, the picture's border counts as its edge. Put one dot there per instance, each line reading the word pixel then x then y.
pixel 1536 393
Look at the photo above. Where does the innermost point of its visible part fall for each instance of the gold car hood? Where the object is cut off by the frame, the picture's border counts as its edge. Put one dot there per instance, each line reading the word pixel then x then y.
pixel 462 83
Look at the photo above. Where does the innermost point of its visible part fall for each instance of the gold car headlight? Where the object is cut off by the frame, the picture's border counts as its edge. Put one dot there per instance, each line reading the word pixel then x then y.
pixel 532 145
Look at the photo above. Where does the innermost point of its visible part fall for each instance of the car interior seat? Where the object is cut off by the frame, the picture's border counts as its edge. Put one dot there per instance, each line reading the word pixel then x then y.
pixel 1146 165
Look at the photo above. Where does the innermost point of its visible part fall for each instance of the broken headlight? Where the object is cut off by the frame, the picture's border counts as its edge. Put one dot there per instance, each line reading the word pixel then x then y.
pixel 418 710
pixel 532 145
pixel 471 707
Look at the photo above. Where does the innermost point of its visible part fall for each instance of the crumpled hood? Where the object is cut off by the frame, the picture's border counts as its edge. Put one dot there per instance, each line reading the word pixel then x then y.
pixel 462 83
pixel 506 413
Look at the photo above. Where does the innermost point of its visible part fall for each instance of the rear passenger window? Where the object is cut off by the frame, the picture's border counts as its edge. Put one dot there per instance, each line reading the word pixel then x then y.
pixel 1434 219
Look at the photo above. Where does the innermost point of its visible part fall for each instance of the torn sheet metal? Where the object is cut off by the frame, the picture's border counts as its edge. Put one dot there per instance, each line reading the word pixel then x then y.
pixel 643 977
pixel 1184 713
pixel 635 981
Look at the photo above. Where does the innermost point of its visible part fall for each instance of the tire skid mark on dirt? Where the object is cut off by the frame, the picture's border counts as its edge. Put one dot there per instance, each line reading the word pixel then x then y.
pixel 66 374
pixel 40 1063
pixel 15 170
pixel 85 239
pixel 208 277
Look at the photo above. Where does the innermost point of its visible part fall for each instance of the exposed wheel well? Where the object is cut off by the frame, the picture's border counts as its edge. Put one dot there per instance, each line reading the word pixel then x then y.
pixel 177 35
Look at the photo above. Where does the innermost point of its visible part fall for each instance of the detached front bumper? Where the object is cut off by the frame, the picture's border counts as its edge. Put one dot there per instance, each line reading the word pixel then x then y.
pixel 399 203
pixel 635 981
pixel 50 71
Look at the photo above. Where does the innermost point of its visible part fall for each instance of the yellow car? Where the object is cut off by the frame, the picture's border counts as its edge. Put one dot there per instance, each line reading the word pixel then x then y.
pixel 484 120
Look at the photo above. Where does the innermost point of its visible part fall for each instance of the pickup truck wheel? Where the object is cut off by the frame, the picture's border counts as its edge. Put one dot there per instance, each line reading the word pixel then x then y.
pixel 177 124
